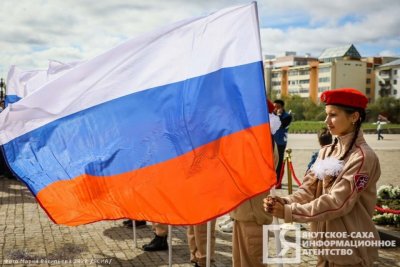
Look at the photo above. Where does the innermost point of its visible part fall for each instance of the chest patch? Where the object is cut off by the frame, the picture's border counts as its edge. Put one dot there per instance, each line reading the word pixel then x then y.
pixel 361 181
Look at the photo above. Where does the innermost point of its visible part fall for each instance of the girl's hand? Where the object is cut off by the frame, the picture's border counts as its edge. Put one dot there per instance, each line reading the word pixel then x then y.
pixel 274 206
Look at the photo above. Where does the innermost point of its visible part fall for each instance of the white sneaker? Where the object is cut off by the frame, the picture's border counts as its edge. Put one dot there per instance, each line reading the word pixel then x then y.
pixel 227 228
pixel 225 221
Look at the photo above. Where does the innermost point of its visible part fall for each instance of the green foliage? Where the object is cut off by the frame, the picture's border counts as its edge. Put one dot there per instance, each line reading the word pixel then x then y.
pixel 306 126
pixel 295 105
pixel 272 95
pixel 303 108
pixel 315 126
pixel 313 112
pixel 388 198
pixel 386 106
pixel 387 219
pixel 393 204
pixel 388 192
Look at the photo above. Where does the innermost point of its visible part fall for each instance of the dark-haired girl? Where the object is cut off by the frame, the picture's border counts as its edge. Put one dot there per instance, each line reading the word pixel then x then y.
pixel 338 194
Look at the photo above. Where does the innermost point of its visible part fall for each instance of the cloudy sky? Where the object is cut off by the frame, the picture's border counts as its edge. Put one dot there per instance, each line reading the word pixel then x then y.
pixel 34 31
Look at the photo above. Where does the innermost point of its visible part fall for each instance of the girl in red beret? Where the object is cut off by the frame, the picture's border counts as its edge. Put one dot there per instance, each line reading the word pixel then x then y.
pixel 338 194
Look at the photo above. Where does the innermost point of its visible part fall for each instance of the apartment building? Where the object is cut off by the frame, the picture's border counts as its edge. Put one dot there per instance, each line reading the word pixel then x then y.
pixel 289 74
pixel 309 77
pixel 387 79
pixel 372 64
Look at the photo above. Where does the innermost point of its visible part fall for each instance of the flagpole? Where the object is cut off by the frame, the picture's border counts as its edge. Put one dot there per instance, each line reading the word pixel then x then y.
pixel 275 221
pixel 170 245
pixel 208 259
pixel 134 234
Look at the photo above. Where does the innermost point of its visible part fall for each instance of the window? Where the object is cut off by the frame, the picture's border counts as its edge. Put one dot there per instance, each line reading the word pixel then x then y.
pixel 276 83
pixel 395 72
pixel 323 88
pixel 368 91
pixel 368 81
pixel 394 81
pixel 369 71
pixel 395 92
pixel 324 80
pixel 304 81
pixel 304 72
pixel 294 91
pixel 326 69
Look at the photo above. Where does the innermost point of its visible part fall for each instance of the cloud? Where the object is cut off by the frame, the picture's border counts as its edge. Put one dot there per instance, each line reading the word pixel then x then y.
pixel 388 53
pixel 33 31
pixel 77 28
pixel 371 22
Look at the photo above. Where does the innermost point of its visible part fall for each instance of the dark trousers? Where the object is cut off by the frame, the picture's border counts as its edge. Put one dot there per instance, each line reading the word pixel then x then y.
pixel 380 136
pixel 281 153
pixel 4 170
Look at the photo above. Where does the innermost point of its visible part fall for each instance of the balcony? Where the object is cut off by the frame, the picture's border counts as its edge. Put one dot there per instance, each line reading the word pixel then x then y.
pixel 384 75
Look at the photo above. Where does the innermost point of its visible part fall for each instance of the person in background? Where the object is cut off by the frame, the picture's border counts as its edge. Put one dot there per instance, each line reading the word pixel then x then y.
pixel 280 137
pixel 4 169
pixel 226 225
pixel 379 129
pixel 324 139
pixel 197 241
pixel 159 241
pixel 338 195
pixel 129 223
pixel 379 126
pixel 249 218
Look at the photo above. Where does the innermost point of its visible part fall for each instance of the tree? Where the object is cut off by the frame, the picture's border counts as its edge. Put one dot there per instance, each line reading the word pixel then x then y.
pixel 304 108
pixel 312 111
pixel 385 106
pixel 294 104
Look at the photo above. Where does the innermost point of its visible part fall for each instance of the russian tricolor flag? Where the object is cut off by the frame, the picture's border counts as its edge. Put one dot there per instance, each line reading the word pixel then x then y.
pixel 171 127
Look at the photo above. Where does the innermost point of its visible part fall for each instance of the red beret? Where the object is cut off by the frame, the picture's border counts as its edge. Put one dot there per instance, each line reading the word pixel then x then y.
pixel 270 106
pixel 348 97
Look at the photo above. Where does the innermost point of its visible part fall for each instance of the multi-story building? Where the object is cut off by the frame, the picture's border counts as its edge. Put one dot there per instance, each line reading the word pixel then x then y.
pixel 387 79
pixel 372 64
pixel 309 77
pixel 289 74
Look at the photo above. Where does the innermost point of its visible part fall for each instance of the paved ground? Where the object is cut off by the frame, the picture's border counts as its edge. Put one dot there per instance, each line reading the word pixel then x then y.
pixel 29 238
pixel 388 151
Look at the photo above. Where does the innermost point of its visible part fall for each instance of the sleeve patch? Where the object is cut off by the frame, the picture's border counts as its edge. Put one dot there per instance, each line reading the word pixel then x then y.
pixel 361 181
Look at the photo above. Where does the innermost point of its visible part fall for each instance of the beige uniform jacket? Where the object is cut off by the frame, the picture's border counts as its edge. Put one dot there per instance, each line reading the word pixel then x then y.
pixel 346 206
pixel 252 210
